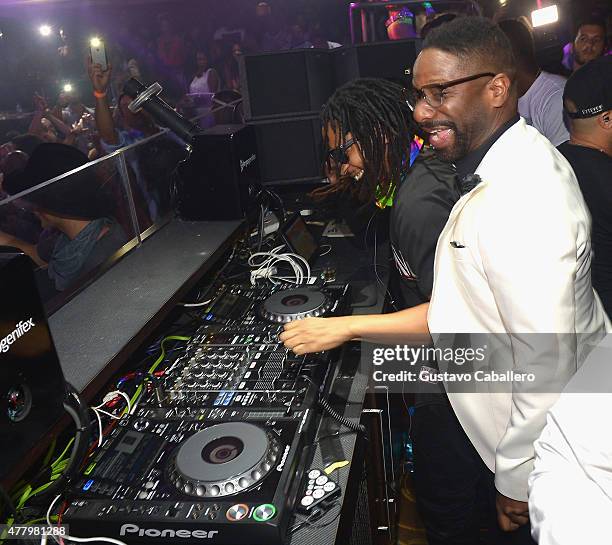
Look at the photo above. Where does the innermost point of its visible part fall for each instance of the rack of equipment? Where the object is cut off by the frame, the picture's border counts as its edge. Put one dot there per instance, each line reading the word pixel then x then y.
pixel 215 448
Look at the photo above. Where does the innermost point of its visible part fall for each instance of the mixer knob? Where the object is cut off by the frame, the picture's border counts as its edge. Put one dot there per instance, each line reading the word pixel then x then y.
pixel 141 425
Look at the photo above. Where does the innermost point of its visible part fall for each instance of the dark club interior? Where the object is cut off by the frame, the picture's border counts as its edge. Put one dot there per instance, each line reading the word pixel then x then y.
pixel 300 272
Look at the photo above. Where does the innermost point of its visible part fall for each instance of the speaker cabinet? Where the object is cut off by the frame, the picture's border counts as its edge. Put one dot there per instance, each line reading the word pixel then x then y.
pixel 285 83
pixel 220 175
pixel 289 149
pixel 376 60
pixel 284 92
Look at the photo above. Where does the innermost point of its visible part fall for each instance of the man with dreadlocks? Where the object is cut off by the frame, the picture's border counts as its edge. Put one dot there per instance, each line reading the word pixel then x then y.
pixel 369 133
pixel 370 137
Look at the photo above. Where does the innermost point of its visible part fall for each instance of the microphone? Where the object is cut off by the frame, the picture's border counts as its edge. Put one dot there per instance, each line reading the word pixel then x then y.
pixel 147 98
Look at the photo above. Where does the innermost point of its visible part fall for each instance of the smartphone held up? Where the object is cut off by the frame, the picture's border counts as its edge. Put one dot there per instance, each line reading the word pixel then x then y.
pixel 97 51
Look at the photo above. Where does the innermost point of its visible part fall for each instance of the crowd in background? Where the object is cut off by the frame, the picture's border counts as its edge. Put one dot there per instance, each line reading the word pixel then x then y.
pixel 196 61
pixel 550 207
pixel 191 60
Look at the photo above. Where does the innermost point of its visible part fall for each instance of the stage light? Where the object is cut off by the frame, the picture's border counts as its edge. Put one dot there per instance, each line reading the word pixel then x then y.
pixel 95 42
pixel 45 30
pixel 68 88
pixel 544 16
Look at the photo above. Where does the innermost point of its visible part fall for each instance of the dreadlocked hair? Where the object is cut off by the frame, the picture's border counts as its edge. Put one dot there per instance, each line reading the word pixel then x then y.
pixel 379 119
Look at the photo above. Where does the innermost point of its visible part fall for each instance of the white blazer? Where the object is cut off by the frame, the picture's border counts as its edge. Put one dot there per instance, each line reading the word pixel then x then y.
pixel 524 268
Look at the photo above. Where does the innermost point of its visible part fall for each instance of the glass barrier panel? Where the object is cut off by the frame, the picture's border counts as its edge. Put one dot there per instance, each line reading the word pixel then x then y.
pixel 76 225
pixel 150 166
pixel 73 227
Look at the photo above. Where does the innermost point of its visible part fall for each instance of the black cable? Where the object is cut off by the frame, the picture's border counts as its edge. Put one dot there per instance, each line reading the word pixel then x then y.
pixel 325 524
pixel 336 435
pixel 330 411
pixel 316 516
pixel 215 279
pixel 281 205
pixel 81 444
pixel 238 275
pixel 262 214
pixel 229 261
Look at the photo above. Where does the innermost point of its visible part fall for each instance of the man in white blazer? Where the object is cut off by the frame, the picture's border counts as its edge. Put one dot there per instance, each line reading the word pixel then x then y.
pixel 514 257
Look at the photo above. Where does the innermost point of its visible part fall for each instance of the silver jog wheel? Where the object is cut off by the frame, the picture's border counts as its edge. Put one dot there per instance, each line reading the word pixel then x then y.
pixel 295 304
pixel 224 459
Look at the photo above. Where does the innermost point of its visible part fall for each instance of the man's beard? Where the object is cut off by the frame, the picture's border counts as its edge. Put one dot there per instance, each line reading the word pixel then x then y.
pixel 458 150
pixel 460 146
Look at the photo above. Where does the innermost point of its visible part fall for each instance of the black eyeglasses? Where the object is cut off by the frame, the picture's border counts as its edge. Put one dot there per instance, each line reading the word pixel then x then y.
pixel 433 93
pixel 338 155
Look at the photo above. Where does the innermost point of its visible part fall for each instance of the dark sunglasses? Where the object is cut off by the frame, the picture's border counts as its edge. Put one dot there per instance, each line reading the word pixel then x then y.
pixel 338 155
pixel 433 93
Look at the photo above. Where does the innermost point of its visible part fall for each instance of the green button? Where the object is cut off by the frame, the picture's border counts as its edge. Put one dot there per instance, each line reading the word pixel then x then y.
pixel 264 512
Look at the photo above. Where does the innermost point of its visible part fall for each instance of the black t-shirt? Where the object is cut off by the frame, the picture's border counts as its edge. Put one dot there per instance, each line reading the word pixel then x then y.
pixel 420 210
pixel 593 169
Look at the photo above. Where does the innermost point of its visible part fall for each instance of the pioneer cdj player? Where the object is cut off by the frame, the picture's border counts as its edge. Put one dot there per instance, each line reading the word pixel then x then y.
pixel 216 450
